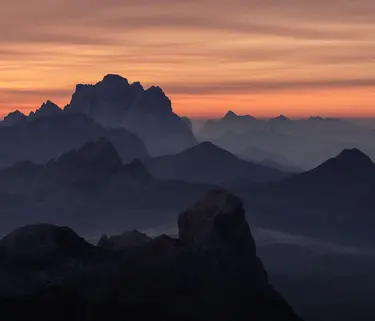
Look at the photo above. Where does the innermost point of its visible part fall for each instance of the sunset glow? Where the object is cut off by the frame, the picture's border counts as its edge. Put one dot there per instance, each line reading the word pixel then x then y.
pixel 268 57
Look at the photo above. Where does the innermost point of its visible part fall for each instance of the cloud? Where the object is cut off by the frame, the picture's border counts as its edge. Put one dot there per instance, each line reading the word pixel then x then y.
pixel 251 87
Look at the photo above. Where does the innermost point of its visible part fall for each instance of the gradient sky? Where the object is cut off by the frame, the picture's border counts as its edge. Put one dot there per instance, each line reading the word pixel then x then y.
pixel 262 57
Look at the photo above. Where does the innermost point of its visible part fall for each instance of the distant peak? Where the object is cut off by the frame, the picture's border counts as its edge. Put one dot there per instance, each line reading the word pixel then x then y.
pixel 354 155
pixel 48 108
pixel 114 78
pixel 208 149
pixel 281 117
pixel 100 154
pixel 316 118
pixel 13 118
pixel 16 112
pixel 49 105
pixel 230 114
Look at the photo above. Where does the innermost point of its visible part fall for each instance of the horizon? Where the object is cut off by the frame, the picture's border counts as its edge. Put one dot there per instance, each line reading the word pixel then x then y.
pixel 254 58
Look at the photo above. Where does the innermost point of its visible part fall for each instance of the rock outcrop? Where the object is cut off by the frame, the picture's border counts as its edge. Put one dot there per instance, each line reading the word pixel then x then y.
pixel 210 273
pixel 217 223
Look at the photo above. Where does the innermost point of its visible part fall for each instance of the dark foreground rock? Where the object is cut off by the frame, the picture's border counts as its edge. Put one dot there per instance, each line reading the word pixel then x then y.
pixel 210 273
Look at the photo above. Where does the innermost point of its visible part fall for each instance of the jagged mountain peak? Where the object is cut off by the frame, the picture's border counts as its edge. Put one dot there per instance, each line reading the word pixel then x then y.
pixel 114 80
pixel 48 108
pixel 13 118
pixel 230 115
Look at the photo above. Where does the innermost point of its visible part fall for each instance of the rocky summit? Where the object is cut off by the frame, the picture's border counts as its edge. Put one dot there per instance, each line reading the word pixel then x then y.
pixel 114 102
pixel 210 273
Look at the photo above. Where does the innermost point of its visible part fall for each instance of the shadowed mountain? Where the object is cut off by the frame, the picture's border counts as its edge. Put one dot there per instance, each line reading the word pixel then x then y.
pixel 334 201
pixel 208 163
pixel 90 189
pixel 47 137
pixel 260 156
pixel 13 118
pixel 230 116
pixel 280 118
pixel 114 102
pixel 47 109
pixel 211 272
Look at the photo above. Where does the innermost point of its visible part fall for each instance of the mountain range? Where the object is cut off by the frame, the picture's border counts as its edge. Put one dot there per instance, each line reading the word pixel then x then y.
pixel 207 163
pixel 211 272
pixel 334 201
pixel 41 138
pixel 301 143
pixel 115 103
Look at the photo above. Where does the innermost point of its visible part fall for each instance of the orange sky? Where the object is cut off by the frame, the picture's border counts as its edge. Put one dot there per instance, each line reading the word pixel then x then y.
pixel 295 57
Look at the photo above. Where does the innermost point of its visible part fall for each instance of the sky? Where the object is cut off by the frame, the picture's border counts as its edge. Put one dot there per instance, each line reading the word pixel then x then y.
pixel 259 57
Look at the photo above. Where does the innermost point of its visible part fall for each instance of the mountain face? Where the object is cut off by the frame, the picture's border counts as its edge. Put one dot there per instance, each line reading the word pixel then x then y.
pixel 211 272
pixel 114 102
pixel 40 139
pixel 334 202
pixel 90 189
pixel 208 163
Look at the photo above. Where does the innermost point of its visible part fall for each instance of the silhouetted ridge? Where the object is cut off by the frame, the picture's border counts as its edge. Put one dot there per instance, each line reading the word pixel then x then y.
pixel 154 101
pixel 351 166
pixel 41 241
pixel 13 118
pixel 114 79
pixel 316 118
pixel 209 149
pixel 100 154
pixel 281 117
pixel 232 116
pixel 48 108
pixel 354 157
pixel 348 162
pixel 208 163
